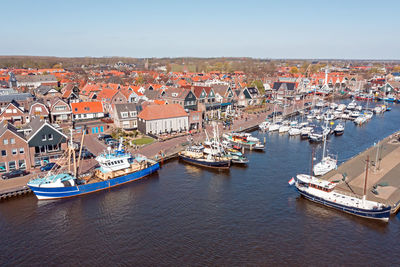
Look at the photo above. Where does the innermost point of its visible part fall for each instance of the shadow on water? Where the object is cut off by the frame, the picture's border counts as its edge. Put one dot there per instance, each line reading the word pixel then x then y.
pixel 326 214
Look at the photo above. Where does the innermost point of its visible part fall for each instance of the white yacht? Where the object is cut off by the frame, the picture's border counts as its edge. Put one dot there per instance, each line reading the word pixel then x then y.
pixel 326 164
pixel 264 125
pixel 285 127
pixel 294 130
pixel 352 105
pixel 360 120
pixel 339 129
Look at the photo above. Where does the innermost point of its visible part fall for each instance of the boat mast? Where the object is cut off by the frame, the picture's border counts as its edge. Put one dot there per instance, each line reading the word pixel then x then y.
pixel 312 162
pixel 365 180
pixel 323 151
pixel 73 154
pixel 80 149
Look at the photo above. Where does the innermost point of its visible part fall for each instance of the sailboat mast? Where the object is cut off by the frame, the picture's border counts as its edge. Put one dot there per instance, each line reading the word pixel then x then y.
pixel 324 148
pixel 312 162
pixel 366 177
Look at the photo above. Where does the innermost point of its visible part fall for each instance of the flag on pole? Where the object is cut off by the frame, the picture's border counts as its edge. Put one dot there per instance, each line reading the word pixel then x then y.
pixel 291 181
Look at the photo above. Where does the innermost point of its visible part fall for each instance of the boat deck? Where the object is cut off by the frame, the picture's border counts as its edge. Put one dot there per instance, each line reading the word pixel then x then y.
pixel 383 174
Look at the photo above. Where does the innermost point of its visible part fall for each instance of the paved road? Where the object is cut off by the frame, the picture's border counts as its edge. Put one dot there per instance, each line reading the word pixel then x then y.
pixel 94 145
pixel 388 170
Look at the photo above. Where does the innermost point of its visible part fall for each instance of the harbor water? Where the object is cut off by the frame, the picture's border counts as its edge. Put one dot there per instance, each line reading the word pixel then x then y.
pixel 186 215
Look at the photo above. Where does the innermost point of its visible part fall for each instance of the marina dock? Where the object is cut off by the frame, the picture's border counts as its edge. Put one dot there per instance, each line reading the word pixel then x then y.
pixel 383 180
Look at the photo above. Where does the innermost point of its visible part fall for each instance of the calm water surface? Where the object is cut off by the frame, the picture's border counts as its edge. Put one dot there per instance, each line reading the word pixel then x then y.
pixel 185 215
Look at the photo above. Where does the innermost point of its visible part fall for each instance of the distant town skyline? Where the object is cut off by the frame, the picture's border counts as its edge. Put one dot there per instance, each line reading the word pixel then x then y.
pixel 259 29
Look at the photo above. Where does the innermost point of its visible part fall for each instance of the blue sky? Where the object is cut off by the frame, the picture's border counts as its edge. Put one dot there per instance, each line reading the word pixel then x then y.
pixel 352 29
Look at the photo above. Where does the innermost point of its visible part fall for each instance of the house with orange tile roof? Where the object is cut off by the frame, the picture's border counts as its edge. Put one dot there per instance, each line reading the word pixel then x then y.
pixel 159 119
pixel 70 93
pixel 110 96
pixel 134 94
pixel 87 110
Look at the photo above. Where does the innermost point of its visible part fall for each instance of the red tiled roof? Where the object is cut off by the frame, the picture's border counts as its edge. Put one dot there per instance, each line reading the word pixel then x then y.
pixel 86 107
pixel 106 94
pixel 156 112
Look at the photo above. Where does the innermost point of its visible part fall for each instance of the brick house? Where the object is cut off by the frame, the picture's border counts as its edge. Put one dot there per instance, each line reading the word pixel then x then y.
pixel 125 115
pixel 38 110
pixel 13 113
pixel 14 151
pixel 60 111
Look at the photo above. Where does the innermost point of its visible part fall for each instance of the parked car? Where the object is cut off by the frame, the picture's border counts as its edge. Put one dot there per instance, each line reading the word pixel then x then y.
pixel 15 173
pixel 110 141
pixel 49 166
pixel 86 154
pixel 103 136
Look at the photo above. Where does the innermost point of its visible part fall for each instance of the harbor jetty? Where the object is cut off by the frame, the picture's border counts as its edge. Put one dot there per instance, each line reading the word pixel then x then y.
pixel 383 182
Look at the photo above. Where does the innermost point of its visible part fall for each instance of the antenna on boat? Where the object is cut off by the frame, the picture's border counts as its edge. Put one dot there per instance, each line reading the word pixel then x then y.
pixel 365 180
pixel 120 144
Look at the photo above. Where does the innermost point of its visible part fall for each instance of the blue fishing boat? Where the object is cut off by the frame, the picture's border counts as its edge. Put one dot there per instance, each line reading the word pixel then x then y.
pixel 116 168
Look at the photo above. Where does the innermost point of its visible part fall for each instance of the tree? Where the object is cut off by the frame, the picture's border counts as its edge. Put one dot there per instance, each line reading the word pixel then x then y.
pixel 396 69
pixel 294 70
pixel 259 85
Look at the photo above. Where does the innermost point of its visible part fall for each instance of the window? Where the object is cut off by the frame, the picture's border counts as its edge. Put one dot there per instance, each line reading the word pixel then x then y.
pixel 5 142
pixel 38 109
pixel 59 108
pixel 4 153
pixel 11 165
pixel 12 141
pixel 21 164
pixel 133 113
pixel 43 137
pixel 21 150
pixel 38 162
pixel 124 114
pixel 14 151
pixel 3 167
pixel 50 136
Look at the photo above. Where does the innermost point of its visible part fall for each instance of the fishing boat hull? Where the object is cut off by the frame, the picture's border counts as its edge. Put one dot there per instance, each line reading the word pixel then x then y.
pixel 44 193
pixel 222 164
pixel 339 132
pixel 382 214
